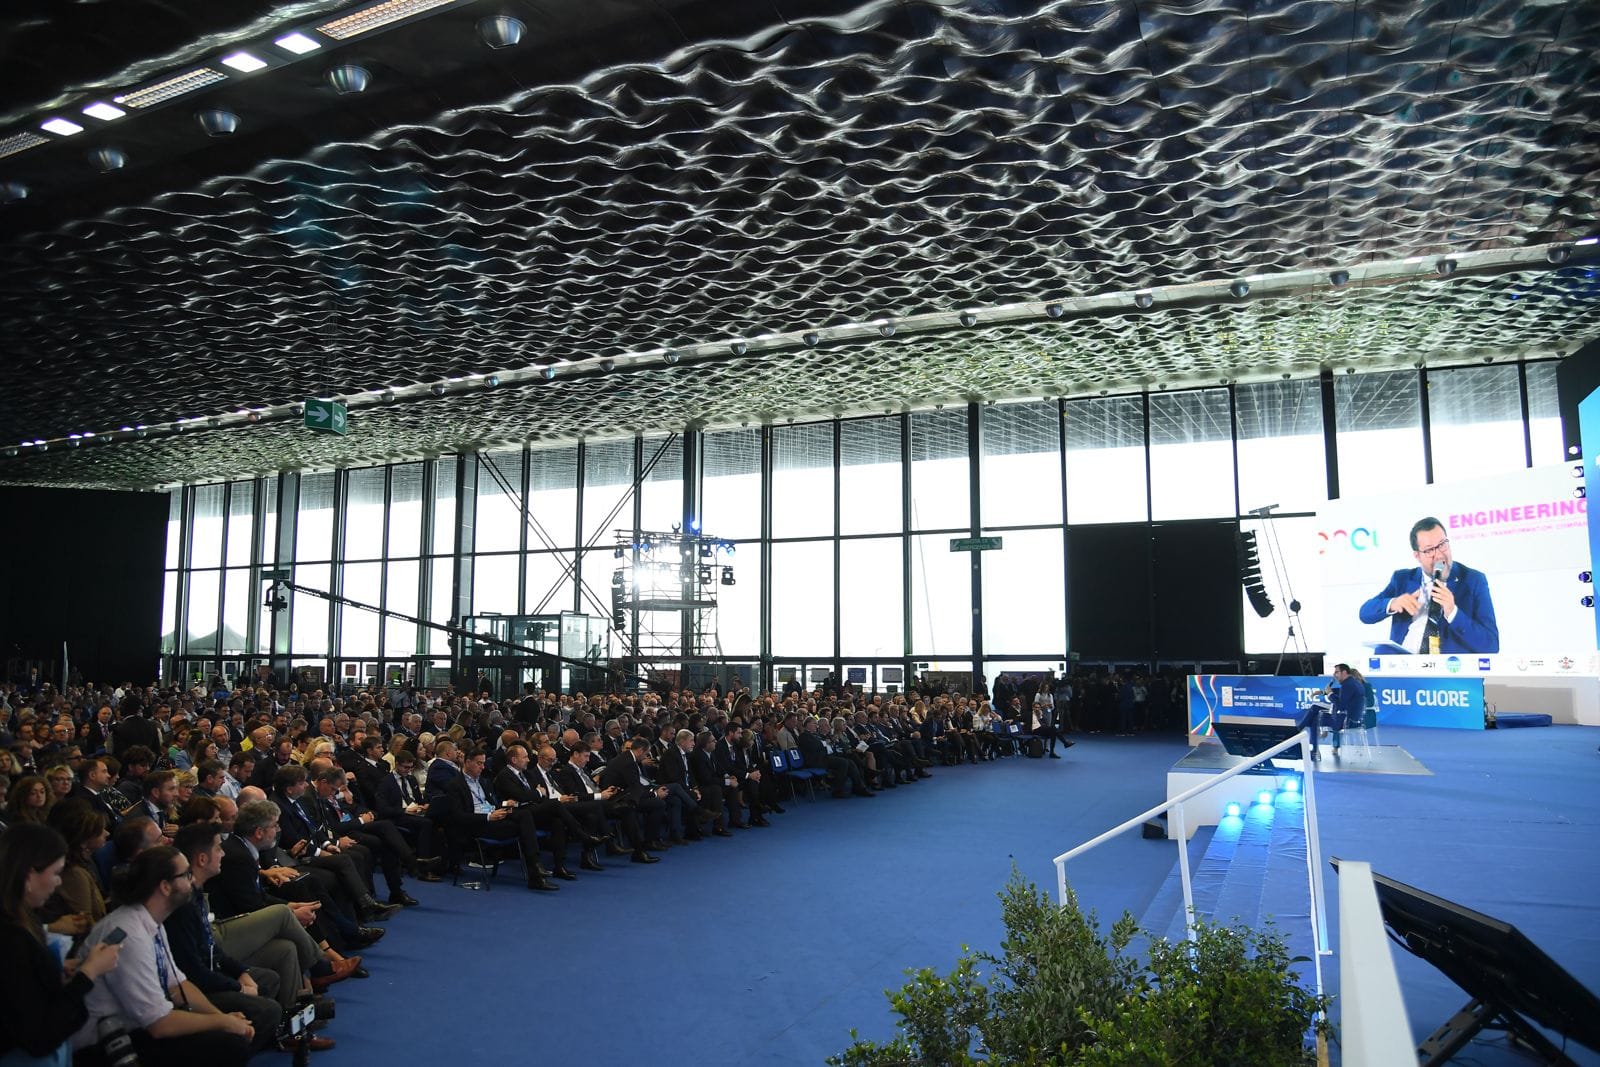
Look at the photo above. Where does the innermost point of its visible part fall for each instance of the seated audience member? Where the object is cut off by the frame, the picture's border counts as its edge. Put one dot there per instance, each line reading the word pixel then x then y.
pixel 96 789
pixel 147 986
pixel 712 785
pixel 44 1006
pixel 29 800
pixel 303 837
pixel 343 819
pixel 475 811
pixel 673 774
pixel 732 756
pixel 818 752
pixel 399 800
pixel 642 824
pixel 134 835
pixel 84 830
pixel 549 814
pixel 136 763
pixel 209 775
pixel 160 794
pixel 59 779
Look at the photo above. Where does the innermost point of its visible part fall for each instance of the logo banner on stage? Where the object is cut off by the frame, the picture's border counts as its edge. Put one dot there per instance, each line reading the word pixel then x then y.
pixel 1445 701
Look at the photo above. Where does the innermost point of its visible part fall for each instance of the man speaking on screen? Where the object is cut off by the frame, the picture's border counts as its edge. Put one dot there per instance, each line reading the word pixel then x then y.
pixel 1439 605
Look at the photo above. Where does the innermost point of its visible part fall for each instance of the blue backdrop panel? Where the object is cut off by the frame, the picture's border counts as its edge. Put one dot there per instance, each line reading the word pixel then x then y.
pixel 1455 703
pixel 1589 434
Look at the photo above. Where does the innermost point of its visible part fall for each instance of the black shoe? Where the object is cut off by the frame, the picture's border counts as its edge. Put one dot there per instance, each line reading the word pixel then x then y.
pixel 590 862
pixel 778 809
pixel 404 899
pixel 564 874
pixel 368 935
pixel 738 826
pixel 614 849
pixel 759 822
pixel 707 813
pixel 540 885
pixel 644 857
pixel 865 793
pixel 594 841
pixel 1055 755
pixel 428 876
pixel 372 911
pixel 540 871
pixel 720 832
pixel 656 845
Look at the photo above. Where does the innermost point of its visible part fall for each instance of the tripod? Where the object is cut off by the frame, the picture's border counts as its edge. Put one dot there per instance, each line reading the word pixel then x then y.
pixel 1292 637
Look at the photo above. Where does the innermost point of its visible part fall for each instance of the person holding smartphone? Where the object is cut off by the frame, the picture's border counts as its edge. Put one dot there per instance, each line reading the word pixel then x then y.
pixel 43 1011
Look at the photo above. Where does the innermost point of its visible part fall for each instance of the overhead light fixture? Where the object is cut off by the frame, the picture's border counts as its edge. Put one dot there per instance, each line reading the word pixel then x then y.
pixel 670 357
pixel 811 338
pixel 64 127
pixel 1144 300
pixel 491 381
pixel 216 122
pixel 608 365
pixel 11 192
pixel 20 142
pixel 967 318
pixel 886 328
pixel 1339 279
pixel 1558 254
pixel 105 160
pixel 168 88
pixel 387 396
pixel 1445 267
pixel 104 112
pixel 738 348
pixel 376 16
pixel 437 389
pixel 1240 289
pixel 243 62
pixel 501 31
pixel 549 374
pixel 297 43
pixel 1054 311
pixel 348 78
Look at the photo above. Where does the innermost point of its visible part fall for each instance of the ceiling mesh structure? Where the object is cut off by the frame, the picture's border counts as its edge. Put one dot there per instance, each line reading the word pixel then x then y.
pixel 785 169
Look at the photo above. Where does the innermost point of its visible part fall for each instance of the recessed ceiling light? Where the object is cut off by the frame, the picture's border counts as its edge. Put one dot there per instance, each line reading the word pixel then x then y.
pixel 298 43
pixel 104 112
pixel 177 85
pixel 65 127
pixel 376 16
pixel 243 62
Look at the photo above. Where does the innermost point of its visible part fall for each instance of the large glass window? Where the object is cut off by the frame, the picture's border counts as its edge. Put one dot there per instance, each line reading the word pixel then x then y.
pixel 941 486
pixel 730 494
pixel 205 539
pixel 1105 460
pixel 661 494
pixel 174 528
pixel 204 588
pixel 871 591
pixel 802 480
pixel 363 513
pixel 739 605
pixel 1475 418
pixel 441 610
pixel 400 595
pixel 1544 414
pixel 550 584
pixel 309 626
pixel 444 506
pixel 1191 455
pixel 1282 457
pixel 358 628
pixel 169 611
pixel 1023 595
pixel 269 524
pixel 1021 474
pixel 494 585
pixel 314 532
pixel 870 493
pixel 241 527
pixel 498 526
pixel 552 497
pixel 607 490
pixel 405 510
pixel 1379 423
pixel 802 599
pixel 238 602
pixel 941 598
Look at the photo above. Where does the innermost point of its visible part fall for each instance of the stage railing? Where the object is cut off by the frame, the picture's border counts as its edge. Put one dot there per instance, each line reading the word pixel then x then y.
pixel 1373 1027
pixel 1180 831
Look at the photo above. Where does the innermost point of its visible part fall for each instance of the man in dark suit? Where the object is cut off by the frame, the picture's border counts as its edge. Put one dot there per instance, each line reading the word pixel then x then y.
pixel 343 818
pixel 549 814
pixel 96 790
pixel 1438 595
pixel 572 778
pixel 134 730
pixel 396 799
pixel 733 761
pixel 629 774
pixel 303 837
pixel 712 785
pixel 818 753
pixel 672 773
pixel 473 807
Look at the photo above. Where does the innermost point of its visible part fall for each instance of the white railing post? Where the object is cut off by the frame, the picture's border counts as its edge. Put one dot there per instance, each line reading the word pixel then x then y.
pixel 1061 883
pixel 1373 1026
pixel 1180 826
pixel 1319 899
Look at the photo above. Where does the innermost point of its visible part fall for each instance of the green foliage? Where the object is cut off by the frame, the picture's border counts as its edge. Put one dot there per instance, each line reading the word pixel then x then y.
pixel 1061 995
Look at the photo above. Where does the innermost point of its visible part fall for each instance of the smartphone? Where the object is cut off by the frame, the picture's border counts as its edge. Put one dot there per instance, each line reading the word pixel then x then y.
pixel 115 937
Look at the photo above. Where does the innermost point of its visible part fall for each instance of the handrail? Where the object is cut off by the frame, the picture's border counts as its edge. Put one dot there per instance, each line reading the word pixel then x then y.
pixel 1319 903
pixel 1375 1030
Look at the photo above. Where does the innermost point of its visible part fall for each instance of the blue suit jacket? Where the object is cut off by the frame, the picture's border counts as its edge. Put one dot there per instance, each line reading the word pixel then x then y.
pixel 1474 629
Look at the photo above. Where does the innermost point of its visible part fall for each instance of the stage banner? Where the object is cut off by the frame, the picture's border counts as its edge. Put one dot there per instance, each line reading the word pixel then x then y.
pixel 1455 703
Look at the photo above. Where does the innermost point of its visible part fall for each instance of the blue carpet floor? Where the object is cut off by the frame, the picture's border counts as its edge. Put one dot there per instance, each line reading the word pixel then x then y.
pixel 772 945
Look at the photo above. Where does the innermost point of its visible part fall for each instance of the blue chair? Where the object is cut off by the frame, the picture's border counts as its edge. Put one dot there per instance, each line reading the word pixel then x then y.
pixel 799 772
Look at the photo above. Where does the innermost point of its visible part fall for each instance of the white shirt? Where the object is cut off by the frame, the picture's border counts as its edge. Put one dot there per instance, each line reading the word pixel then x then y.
pixel 132 990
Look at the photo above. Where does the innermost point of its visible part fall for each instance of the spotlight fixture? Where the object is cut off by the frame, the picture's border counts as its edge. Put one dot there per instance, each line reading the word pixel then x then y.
pixel 60 126
pixel 704 575
pixel 727 576
pixel 811 338
pixel 11 451
pixel 297 43
pixel 1580 492
pixel 1144 300
pixel 10 192
pixel 1558 254
pixel 886 328
pixel 1445 267
pixel 501 31
pixel 1054 311
pixel 608 365
pixel 738 348
pixel 106 160
pixel 549 374
pixel 1292 786
pixel 670 357
pixel 1577 470
pixel 1232 810
pixel 1240 289
pixel 387 396
pixel 491 381
pixel 294 409
pixel 104 112
pixel 967 318
pixel 214 422
pixel 437 389
pixel 1263 797
pixel 243 62
pixel 216 122
pixel 1339 279
pixel 348 78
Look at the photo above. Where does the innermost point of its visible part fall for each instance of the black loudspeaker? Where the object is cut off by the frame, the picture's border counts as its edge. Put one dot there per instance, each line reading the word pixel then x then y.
pixel 1250 574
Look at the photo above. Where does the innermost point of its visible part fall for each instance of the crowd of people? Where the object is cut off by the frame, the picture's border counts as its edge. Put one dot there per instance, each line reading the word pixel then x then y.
pixel 187 870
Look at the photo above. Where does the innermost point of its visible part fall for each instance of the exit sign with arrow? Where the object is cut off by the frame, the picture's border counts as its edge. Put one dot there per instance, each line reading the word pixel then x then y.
pixel 327 416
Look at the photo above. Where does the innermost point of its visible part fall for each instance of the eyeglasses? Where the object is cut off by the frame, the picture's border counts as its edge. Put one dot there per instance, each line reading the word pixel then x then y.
pixel 1433 550
pixel 180 874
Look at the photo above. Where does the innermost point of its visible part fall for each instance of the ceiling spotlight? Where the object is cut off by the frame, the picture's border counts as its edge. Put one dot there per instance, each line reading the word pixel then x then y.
pixel 214 422
pixel 1445 267
pixel 670 357
pixel 1339 278
pixel 491 381
pixel 1240 289
pixel 811 338
pixel 967 318
pixel 243 62
pixel 738 348
pixel 143 431
pixel 608 365
pixel 500 31
pixel 1055 311
pixel 106 160
pixel 297 409
pixel 437 389
pixel 1144 300
pixel 104 112
pixel 548 374
pixel 12 191
pixel 11 451
pixel 387 396
pixel 298 43
pixel 349 78
pixel 886 328
pixel 1558 254
pixel 216 122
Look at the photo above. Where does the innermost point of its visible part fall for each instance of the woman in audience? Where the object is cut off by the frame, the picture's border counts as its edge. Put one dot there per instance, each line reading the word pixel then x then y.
pixel 44 1006
pixel 177 752
pixel 84 830
pixel 29 800
pixel 59 779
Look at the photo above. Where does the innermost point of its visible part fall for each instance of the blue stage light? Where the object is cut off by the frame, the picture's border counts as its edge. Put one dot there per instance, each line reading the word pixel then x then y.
pixel 1232 810
pixel 1292 786
pixel 1263 797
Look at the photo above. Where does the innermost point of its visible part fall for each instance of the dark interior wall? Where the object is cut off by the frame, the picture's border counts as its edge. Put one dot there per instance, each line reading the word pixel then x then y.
pixel 84 567
pixel 1167 591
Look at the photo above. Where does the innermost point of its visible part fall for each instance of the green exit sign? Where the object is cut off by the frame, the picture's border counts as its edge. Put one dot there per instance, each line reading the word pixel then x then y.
pixel 975 544
pixel 327 416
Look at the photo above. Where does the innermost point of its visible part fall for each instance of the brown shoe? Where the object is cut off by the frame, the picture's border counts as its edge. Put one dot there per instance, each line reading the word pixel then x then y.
pixel 341 970
pixel 313 1043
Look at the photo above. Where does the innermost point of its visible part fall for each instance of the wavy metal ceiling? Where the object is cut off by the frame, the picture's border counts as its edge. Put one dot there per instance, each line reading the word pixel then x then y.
pixel 639 174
